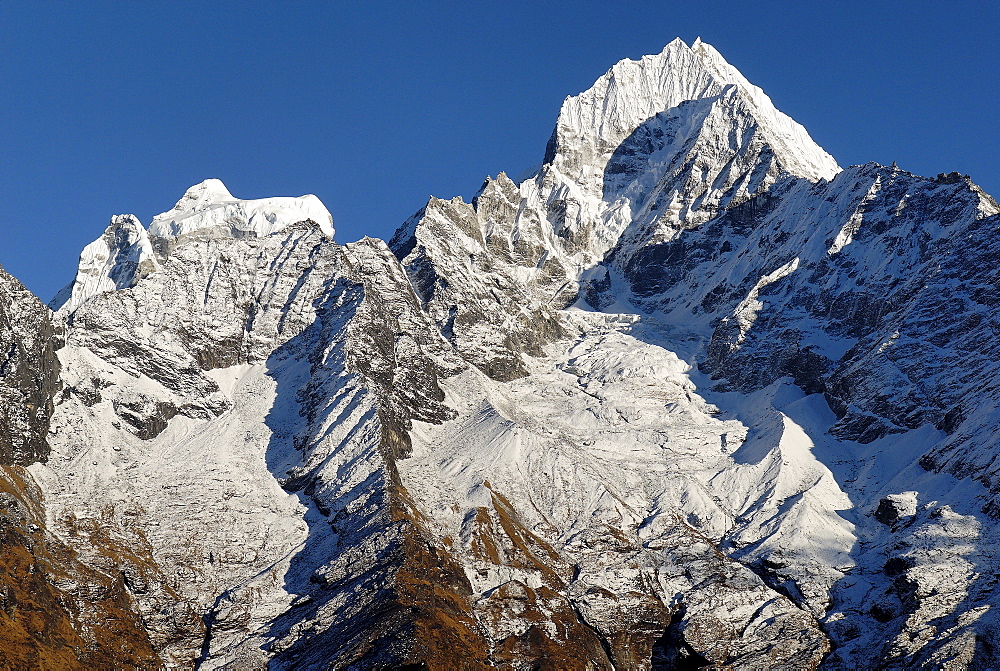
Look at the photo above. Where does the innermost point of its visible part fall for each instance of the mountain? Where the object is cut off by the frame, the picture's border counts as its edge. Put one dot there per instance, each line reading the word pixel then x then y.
pixel 690 395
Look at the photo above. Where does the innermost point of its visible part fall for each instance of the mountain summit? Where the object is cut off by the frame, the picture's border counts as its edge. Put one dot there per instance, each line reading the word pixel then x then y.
pixel 684 111
pixel 210 205
pixel 688 396
pixel 593 124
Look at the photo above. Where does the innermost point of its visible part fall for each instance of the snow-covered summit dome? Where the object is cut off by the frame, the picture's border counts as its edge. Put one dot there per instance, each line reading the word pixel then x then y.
pixel 202 195
pixel 210 205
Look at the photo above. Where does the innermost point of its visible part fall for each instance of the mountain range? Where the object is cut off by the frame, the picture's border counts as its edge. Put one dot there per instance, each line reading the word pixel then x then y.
pixel 690 395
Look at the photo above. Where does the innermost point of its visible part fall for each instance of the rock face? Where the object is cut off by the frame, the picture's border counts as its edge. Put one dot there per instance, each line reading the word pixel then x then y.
pixel 690 396
pixel 29 373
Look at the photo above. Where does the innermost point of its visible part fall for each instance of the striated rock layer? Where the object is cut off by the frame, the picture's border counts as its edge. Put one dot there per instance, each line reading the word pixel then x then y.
pixel 689 396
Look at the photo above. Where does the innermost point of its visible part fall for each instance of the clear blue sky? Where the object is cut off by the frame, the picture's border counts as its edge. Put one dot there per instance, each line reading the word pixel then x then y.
pixel 113 107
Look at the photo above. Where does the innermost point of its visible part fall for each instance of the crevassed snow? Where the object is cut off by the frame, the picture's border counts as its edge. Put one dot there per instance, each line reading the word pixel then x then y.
pixel 611 430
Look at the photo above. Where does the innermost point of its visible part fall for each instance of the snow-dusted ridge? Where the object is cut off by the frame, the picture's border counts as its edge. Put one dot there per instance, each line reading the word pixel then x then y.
pixel 675 195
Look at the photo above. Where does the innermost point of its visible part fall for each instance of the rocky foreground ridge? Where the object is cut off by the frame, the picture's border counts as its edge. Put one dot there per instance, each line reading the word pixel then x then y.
pixel 690 396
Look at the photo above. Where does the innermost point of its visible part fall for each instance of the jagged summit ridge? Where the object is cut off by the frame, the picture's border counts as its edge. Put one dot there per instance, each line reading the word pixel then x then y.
pixel 111 262
pixel 654 147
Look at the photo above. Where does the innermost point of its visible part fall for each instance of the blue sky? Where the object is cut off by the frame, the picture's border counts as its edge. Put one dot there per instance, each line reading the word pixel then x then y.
pixel 119 107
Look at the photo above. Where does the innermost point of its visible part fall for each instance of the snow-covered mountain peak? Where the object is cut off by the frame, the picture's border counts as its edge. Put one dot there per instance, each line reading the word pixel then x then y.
pixel 203 195
pixel 127 252
pixel 594 123
pixel 656 145
pixel 799 153
pixel 672 401
pixel 209 205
